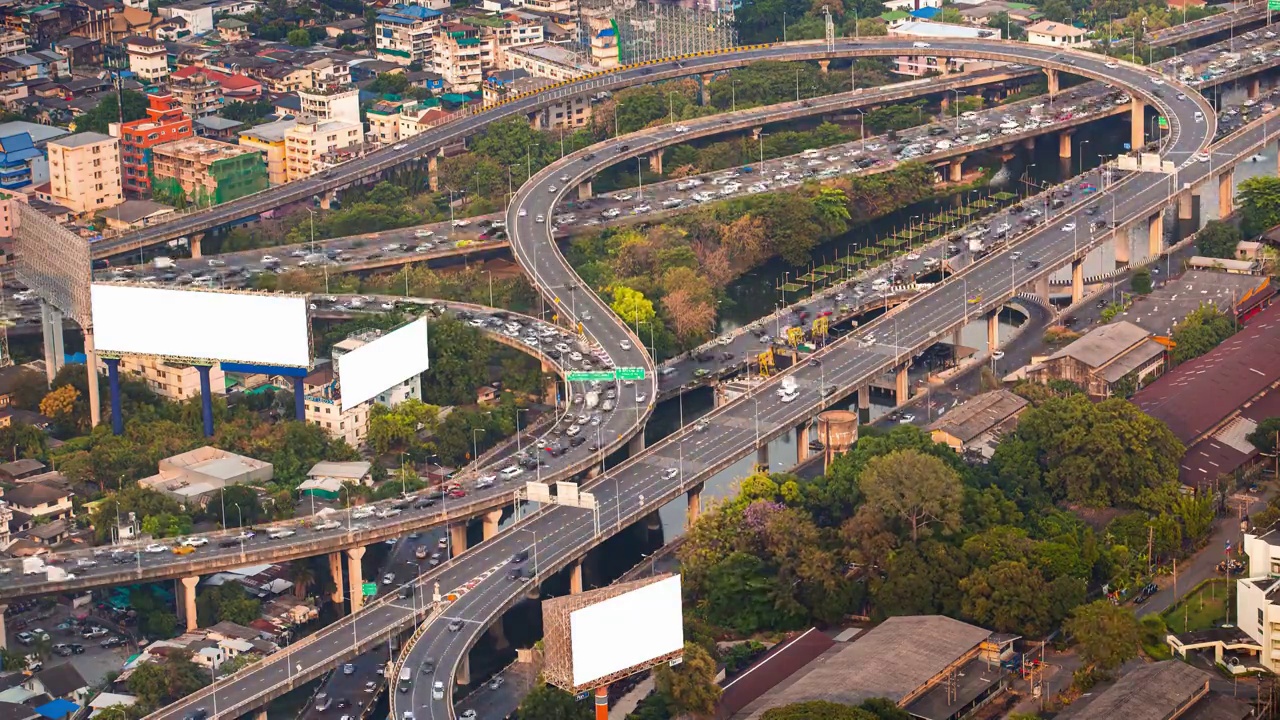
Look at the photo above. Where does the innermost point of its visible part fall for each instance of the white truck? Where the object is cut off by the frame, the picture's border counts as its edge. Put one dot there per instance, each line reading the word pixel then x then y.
pixel 975 245
pixel 592 400
pixel 163 263
pixel 32 566
pixel 789 386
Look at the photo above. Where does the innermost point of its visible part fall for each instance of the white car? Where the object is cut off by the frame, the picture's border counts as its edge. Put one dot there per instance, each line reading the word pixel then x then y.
pixel 523 212
pixel 622 196
pixel 195 542
pixel 461 223
pixel 575 356
pixel 1203 157
pixel 155 548
pixel 388 512
pixel 400 146
pixel 423 233
pixel 551 188
pixel 681 129
pixel 437 690
pixel 625 344
pixel 540 219
pixel 920 45
pixel 280 534
pixel 1113 66
pixel 913 256
pixel 215 262
pixel 669 473
pixel 268 259
pixel 641 397
pixel 1069 227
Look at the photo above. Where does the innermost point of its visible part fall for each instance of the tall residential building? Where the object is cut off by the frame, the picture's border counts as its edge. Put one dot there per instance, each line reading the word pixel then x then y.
pixel 313 145
pixel 84 172
pixel 148 58
pixel 327 74
pixel 402 34
pixel 268 139
pixel 511 29
pixel 340 102
pixel 198 94
pixel 207 172
pixel 165 122
pixel 457 55
pixel 13 42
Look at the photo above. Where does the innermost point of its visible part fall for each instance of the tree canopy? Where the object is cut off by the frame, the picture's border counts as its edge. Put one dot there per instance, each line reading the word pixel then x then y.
pixel 1201 331
pixel 1218 239
pixel 1259 201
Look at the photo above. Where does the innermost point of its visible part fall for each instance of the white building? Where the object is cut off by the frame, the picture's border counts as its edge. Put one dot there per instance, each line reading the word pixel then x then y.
pixel 341 103
pixel 198 14
pixel 323 401
pixel 919 65
pixel 1258 596
pixel 1056 34
pixel 148 58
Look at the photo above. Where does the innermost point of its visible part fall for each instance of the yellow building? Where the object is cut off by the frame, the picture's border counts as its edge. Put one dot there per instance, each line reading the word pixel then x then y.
pixel 313 145
pixel 84 172
pixel 269 140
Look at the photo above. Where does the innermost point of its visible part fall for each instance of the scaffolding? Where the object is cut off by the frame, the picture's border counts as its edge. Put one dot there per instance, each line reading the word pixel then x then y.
pixel 647 31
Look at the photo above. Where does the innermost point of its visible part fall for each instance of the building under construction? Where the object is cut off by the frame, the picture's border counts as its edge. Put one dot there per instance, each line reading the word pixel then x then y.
pixel 623 32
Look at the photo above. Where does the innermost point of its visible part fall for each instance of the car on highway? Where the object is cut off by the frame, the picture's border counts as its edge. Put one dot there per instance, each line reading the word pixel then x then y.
pixel 437 693
pixel 399 146
pixel 455 626
pixel 389 578
pixel 280 534
pixel 155 548
pixel 195 542
pixel 183 550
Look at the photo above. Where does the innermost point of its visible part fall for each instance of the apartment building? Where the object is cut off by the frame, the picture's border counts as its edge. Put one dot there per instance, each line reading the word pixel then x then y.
pixel 339 102
pixel 403 34
pixel 13 42
pixel 550 7
pixel 171 381
pixel 199 95
pixel 384 120
pixel 312 145
pixel 84 172
pixel 207 172
pixel 457 56
pixel 269 139
pixel 326 74
pixel 509 30
pixel 165 122
pixel 148 58
pixel 198 15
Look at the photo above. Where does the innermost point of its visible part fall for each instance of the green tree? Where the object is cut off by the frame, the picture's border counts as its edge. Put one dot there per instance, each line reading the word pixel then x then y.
pixel 1259 200
pixel 1008 597
pixel 691 685
pixel 238 504
pixel 1265 435
pixel 918 488
pixel 1008 29
pixel 1141 281
pixel 923 580
pixel 817 710
pixel 1218 239
pixel 833 206
pixel 545 702
pixel 1106 635
pixel 159 683
pixel 632 306
pixel 1201 331
pixel 299 38
pixel 228 602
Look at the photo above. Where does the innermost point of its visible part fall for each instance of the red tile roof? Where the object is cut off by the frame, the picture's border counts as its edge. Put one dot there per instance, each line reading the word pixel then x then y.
pixel 227 81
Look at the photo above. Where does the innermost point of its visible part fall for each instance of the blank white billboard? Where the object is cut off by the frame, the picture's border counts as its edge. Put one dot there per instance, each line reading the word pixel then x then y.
pixel 373 368
pixel 201 325
pixel 626 631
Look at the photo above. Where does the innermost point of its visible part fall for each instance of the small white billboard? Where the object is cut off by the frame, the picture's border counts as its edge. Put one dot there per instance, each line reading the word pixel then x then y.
pixel 201 326
pixel 626 631
pixel 375 367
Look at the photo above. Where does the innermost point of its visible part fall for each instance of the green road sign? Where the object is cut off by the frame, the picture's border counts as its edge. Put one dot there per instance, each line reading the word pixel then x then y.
pixel 1273 4
pixel 631 373
pixel 592 376
pixel 370 589
pixel 1164 124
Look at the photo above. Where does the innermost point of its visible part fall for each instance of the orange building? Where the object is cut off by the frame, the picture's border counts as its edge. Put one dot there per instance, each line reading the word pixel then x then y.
pixel 165 122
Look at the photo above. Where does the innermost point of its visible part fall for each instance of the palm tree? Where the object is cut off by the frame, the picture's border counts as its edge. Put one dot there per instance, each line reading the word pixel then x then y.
pixel 303 578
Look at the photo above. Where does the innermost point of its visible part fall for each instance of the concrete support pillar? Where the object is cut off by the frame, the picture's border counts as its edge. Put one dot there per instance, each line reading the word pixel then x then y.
pixel 1255 88
pixel 1185 205
pixel 762 455
pixel 1029 144
pixel 993 331
pixel 704 89
pixel 1226 194
pixel 575 578
pixel 1042 289
pixel 636 445
pixel 206 399
pixel 695 505
pixel 825 65
pixel 957 169
pixel 901 385
pixel 433 173
pixel 260 714
pixel 113 384
pixel 335 572
pixel 51 326
pixel 802 443
pixel 457 539
pixel 1077 281
pixel 91 367
pixel 944 104
pixel 299 399
pixel 584 190
pixel 1137 128
pixel 355 578
pixel 864 393
pixel 4 637
pixel 194 242
pixel 1052 76
pixel 326 201
pixel 1121 240
pixel 491 520
pixel 655 162
pixel 1064 144
pixel 1155 235
pixel 186 600
pixel 464 670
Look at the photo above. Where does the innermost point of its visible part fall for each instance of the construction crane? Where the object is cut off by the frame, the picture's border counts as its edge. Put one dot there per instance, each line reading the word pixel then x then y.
pixel 765 361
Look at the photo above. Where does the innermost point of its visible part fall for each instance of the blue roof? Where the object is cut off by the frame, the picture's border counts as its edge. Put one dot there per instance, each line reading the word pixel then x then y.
pixel 416 12
pixel 18 147
pixel 926 13
pixel 57 709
